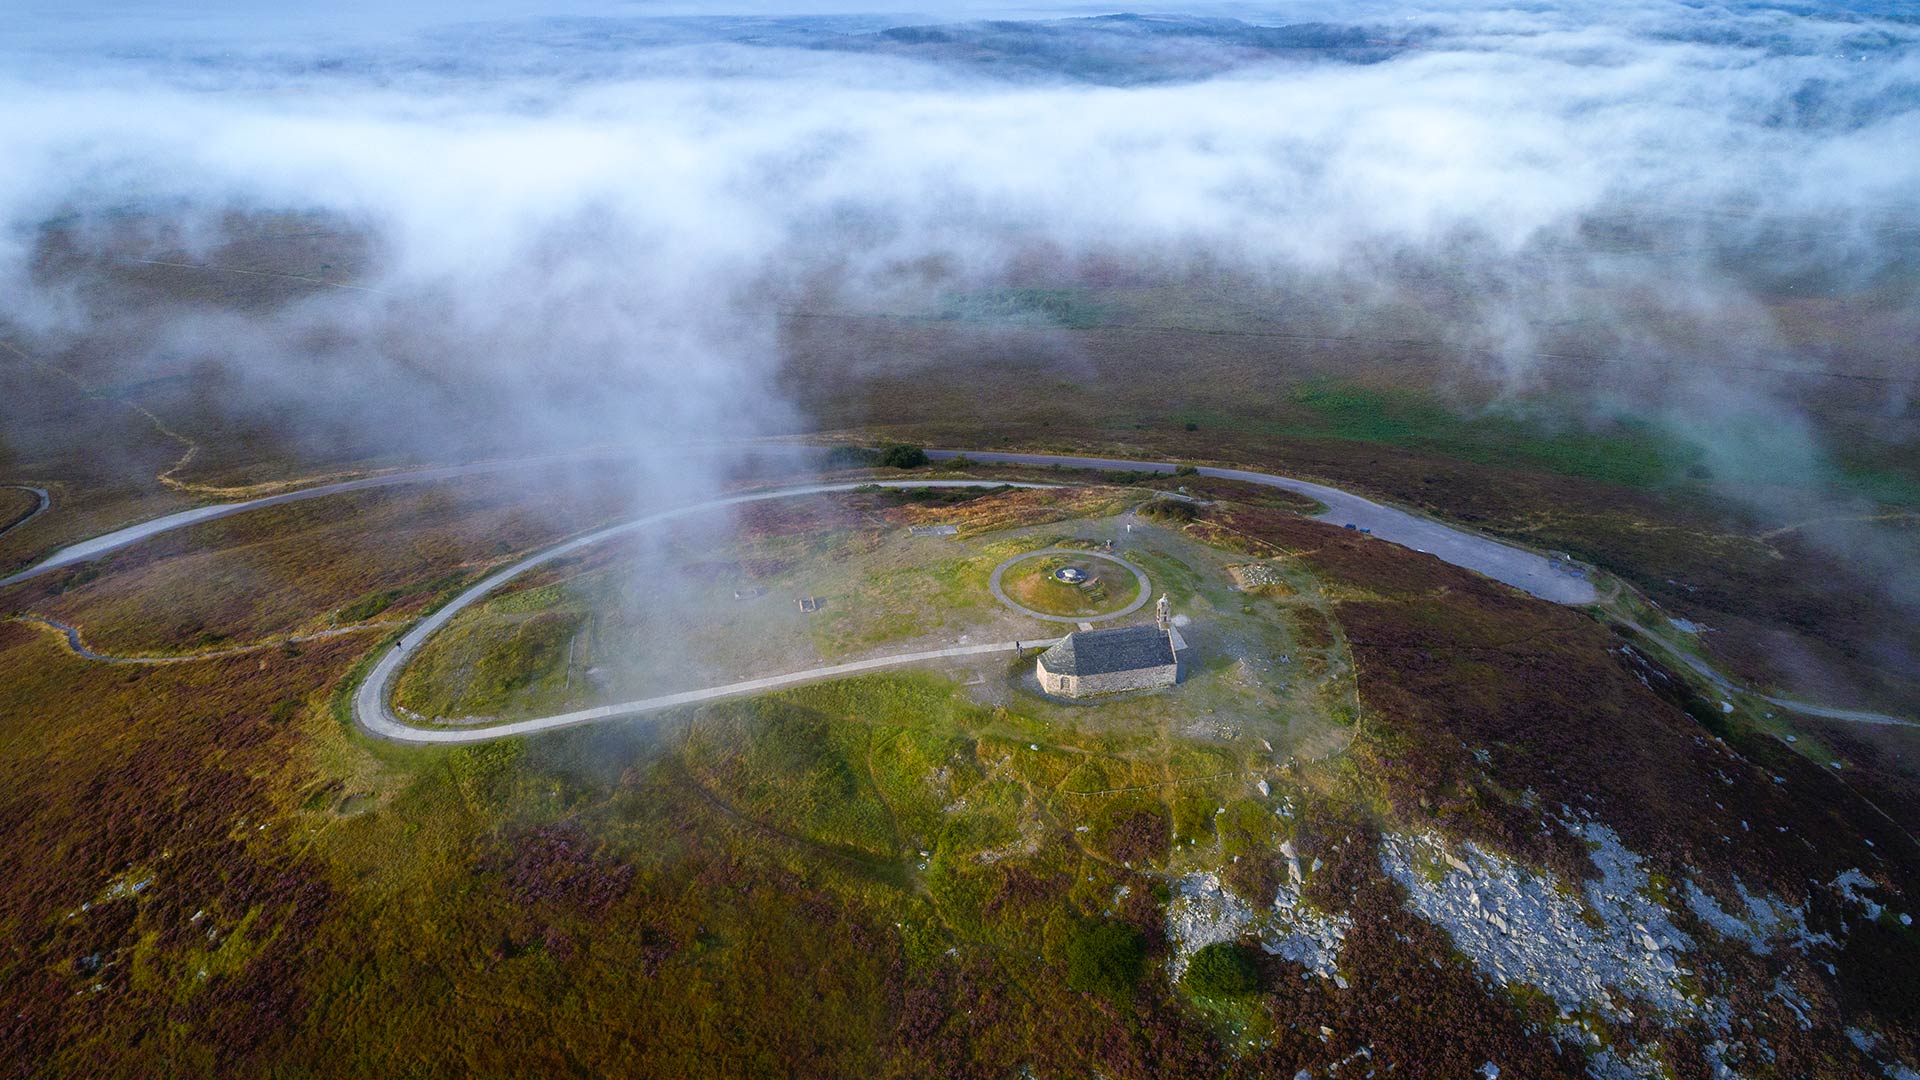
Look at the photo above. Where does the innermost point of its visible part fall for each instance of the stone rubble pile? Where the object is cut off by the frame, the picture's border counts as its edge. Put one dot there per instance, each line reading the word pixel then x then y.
pixel 1203 912
pixel 1766 918
pixel 1518 926
pixel 1256 575
pixel 1306 936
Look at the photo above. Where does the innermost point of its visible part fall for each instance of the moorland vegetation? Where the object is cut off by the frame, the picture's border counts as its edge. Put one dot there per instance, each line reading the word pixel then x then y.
pixel 871 874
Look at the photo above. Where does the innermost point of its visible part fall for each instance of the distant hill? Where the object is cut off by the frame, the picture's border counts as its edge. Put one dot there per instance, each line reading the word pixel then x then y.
pixel 1125 49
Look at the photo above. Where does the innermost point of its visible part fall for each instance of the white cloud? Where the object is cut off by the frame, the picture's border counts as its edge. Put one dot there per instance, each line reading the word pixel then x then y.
pixel 571 195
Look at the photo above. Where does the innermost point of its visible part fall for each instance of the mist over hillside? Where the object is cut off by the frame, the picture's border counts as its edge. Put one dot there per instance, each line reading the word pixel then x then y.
pixel 492 227
pixel 988 539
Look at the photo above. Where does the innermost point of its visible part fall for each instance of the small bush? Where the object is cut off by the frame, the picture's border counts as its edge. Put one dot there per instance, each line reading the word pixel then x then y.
pixel 1221 970
pixel 902 456
pixel 1191 426
pixel 77 578
pixel 1185 470
pixel 851 457
pixel 1171 511
pixel 1104 958
pixel 367 606
pixel 1138 838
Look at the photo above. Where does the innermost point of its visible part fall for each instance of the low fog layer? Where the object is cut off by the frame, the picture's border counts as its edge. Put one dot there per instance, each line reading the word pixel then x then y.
pixel 584 227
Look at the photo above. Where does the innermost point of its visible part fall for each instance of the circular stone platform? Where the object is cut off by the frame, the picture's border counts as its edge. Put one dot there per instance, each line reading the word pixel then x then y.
pixel 1000 594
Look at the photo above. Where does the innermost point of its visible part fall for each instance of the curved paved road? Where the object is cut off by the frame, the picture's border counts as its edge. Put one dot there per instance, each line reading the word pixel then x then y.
pixel 1521 569
pixel 46 501
pixel 1000 594
pixel 372 712
pixel 373 715
pixel 133 534
pixel 1807 708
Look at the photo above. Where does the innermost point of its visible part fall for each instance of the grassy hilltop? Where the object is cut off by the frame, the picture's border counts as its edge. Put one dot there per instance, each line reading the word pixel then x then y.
pixel 214 873
pixel 210 871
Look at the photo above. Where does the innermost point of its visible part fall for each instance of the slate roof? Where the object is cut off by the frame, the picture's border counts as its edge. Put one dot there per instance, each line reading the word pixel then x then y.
pixel 1100 652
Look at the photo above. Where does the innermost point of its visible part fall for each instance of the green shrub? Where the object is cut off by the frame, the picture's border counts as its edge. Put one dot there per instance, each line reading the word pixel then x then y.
pixel 1223 969
pixel 1172 511
pixel 75 579
pixel 851 457
pixel 902 456
pixel 1104 958
pixel 367 606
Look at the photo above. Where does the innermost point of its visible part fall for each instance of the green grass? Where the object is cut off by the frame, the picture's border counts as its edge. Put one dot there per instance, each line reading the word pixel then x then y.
pixel 1885 477
pixel 1222 970
pixel 793 770
pixel 1623 450
pixel 1071 308
pixel 492 666
pixel 1628 451
pixel 1108 587
pixel 367 606
pixel 848 874
pixel 1104 958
